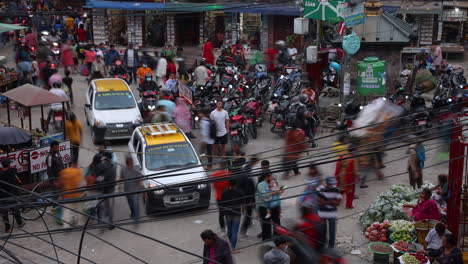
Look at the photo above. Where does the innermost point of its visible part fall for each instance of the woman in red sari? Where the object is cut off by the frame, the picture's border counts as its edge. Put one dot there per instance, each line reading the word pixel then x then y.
pixel 345 173
pixel 425 208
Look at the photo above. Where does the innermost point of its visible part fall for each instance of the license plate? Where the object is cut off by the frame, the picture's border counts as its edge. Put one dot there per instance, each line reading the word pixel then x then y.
pixel 279 123
pixel 119 125
pixel 421 122
pixel 234 132
pixel 181 198
pixel 119 131
pixel 249 121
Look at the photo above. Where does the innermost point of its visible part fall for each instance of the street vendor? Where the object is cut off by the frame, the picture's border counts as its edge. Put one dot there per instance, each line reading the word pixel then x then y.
pixel 425 208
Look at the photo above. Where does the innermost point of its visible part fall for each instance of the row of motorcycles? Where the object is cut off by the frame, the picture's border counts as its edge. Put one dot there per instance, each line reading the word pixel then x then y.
pixel 247 96
pixel 450 96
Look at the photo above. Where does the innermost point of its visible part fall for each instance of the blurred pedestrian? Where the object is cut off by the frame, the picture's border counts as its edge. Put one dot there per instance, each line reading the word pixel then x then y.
pixel 105 178
pixel 278 255
pixel 171 84
pixel 219 187
pixel 54 161
pixel 329 198
pixel 295 145
pixel 133 182
pixel 183 117
pixel 160 115
pixel 416 164
pixel 309 197
pixel 111 56
pixel 131 61
pixel 90 177
pixel 346 174
pixel 7 191
pixel 264 197
pixel 81 32
pixel 207 139
pixel 160 71
pixel 74 132
pixel 247 186
pixel 67 85
pixel 236 158
pixel 215 249
pixel 90 57
pixel 68 181
pixel 231 203
pixel 67 56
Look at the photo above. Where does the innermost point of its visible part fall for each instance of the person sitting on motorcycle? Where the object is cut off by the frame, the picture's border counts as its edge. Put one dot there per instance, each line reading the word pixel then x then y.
pixel 148 84
pixel 56 107
pixel 283 57
pixel 310 95
pixel 310 225
pixel 142 72
pixel 56 77
pixel 118 69
pixel 225 58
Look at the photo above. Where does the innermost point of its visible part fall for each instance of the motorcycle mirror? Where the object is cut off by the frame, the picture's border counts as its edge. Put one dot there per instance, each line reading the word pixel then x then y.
pixel 45 32
pixel 225 99
pixel 55 44
pixel 88 105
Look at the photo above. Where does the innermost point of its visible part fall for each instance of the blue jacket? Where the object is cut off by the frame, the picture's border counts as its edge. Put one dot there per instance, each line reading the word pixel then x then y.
pixel 111 56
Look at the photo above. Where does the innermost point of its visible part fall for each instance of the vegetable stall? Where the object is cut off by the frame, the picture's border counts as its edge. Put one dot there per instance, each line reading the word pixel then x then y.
pixel 390 229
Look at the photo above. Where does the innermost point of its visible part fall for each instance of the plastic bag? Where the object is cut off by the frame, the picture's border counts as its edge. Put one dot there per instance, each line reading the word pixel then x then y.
pixel 351 43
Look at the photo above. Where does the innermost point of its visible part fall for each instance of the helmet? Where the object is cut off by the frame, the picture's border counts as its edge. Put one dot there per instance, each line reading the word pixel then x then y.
pixel 280 43
pixel 302 98
pixel 336 66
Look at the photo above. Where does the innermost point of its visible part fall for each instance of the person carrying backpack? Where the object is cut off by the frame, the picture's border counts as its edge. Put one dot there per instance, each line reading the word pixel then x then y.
pixel 208 131
pixel 105 178
pixel 297 113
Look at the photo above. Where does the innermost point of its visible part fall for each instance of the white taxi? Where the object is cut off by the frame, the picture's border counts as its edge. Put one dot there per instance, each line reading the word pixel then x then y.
pixel 111 110
pixel 166 156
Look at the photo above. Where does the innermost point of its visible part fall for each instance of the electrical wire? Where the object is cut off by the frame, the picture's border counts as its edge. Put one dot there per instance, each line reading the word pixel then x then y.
pixel 320 154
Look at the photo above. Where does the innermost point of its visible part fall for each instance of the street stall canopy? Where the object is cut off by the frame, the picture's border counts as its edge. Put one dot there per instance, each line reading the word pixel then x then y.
pixel 263 8
pixel 10 27
pixel 30 95
pixel 13 136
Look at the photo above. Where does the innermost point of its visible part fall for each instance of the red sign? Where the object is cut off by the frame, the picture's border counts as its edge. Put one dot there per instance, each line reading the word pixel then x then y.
pixel 19 159
pixel 38 157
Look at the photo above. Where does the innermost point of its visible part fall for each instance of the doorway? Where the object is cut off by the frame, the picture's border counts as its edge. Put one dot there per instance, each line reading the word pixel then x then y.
pixel 187 29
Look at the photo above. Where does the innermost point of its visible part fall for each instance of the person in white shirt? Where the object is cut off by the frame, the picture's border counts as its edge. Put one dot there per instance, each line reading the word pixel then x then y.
pixel 433 241
pixel 160 72
pixel 131 62
pixel 201 74
pixel 221 117
pixel 292 51
pixel 56 107
pixel 207 140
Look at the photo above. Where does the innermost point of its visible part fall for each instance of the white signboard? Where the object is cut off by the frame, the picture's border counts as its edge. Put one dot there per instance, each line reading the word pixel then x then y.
pixel 19 159
pixel 38 157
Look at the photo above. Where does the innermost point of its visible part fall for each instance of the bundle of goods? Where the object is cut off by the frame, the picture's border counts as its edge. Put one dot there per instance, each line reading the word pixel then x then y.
pixel 413 258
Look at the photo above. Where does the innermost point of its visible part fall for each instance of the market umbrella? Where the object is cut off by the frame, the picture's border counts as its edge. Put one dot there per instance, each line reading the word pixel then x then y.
pixel 10 27
pixel 13 136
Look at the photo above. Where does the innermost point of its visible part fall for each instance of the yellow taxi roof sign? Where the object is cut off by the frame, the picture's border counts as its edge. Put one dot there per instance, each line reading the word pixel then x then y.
pixel 161 133
pixel 109 85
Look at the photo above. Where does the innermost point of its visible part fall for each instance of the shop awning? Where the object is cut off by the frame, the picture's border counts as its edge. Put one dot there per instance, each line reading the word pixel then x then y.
pixel 99 4
pixel 30 95
pixel 269 9
pixel 415 7
pixel 10 27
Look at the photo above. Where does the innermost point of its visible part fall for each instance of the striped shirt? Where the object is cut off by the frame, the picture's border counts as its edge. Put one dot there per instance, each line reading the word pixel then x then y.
pixel 328 194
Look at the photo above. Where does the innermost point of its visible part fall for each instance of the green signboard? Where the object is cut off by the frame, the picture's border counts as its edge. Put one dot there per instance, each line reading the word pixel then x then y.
pixel 328 10
pixel 371 76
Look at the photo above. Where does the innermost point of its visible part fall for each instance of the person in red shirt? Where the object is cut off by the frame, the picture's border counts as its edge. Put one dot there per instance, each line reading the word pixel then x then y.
pixel 170 68
pixel 311 228
pixel 219 188
pixel 81 34
pixel 295 143
pixel 208 53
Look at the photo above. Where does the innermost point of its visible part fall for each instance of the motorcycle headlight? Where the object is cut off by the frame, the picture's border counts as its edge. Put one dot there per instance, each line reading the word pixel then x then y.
pixel 201 88
pixel 340 105
pixel 361 107
pixel 197 118
pixel 449 100
pixel 201 186
pixel 230 86
pixel 407 97
pixel 151 107
pixel 99 123
pixel 236 77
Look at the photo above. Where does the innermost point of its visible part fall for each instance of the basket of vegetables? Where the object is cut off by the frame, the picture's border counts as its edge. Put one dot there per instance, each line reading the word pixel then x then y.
pixel 377 232
pixel 381 251
pixel 413 258
pixel 402 236
pixel 401 225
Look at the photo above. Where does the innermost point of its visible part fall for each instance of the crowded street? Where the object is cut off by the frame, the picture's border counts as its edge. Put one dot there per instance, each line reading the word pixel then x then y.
pixel 285 141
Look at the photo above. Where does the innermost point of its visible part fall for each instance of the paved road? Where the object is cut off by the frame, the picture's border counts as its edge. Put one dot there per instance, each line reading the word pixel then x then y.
pixel 183 231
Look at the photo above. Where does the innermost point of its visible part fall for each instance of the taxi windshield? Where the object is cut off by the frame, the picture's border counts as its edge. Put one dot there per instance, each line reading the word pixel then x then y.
pixel 169 156
pixel 114 100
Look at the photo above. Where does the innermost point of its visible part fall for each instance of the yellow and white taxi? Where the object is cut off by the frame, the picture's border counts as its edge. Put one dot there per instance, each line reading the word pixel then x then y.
pixel 111 110
pixel 166 156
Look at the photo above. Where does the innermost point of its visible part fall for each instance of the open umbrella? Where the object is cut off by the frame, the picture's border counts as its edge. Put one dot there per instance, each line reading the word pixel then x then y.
pixel 13 136
pixel 10 27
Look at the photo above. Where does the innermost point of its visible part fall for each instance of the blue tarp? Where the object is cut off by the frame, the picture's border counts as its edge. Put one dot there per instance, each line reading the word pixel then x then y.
pixel 99 4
